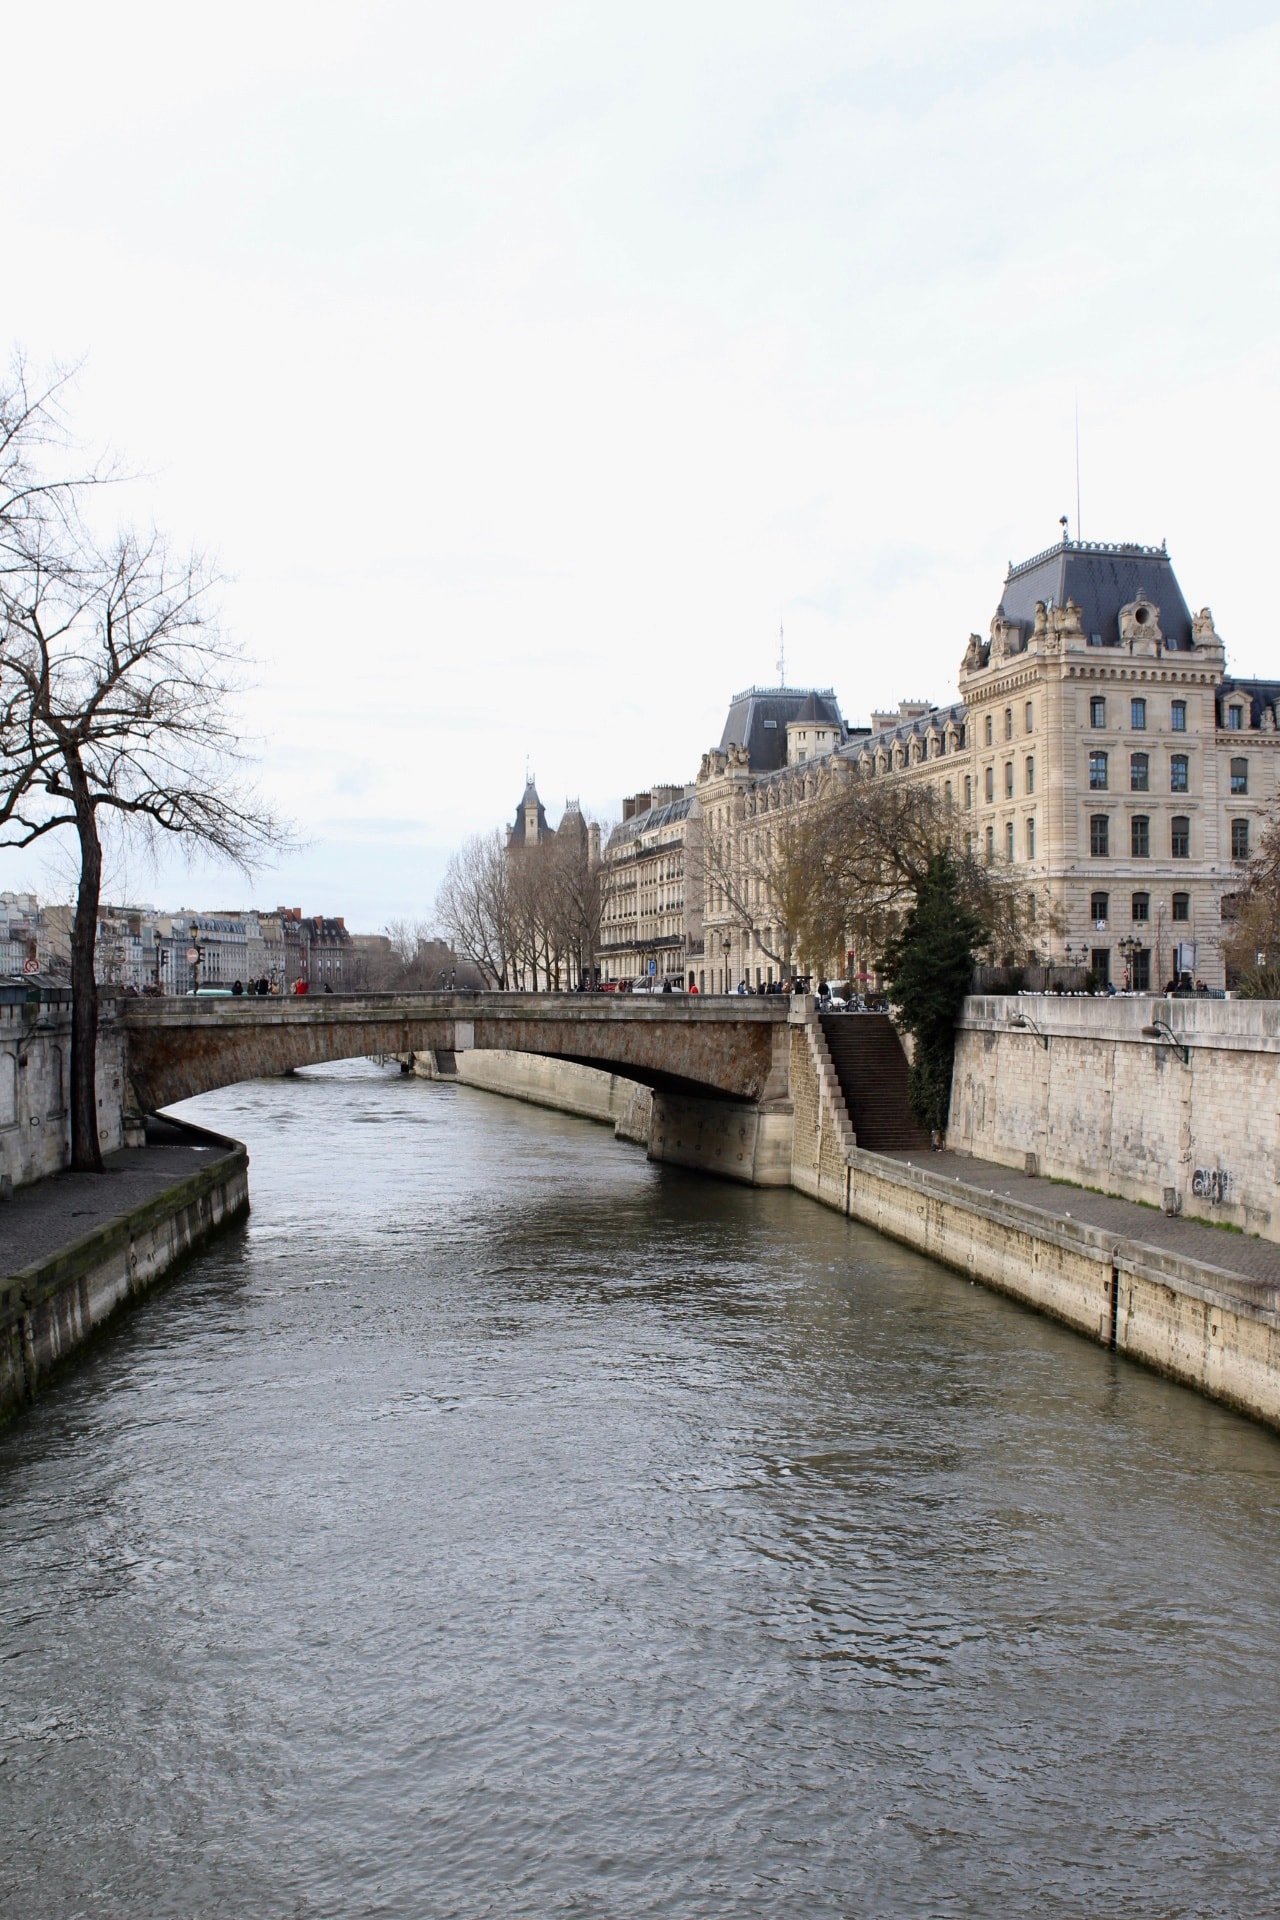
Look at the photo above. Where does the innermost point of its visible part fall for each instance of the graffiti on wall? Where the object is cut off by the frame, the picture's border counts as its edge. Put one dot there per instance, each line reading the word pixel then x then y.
pixel 1211 1184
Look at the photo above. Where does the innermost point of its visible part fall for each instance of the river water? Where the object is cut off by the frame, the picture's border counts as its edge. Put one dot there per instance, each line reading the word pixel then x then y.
pixel 499 1524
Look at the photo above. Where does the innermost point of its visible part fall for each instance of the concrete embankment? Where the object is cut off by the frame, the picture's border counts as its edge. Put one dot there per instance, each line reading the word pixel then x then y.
pixel 152 1207
pixel 546 1082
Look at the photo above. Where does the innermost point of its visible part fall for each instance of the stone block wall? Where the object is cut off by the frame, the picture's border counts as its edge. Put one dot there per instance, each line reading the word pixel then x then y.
pixel 35 1079
pixel 1107 1105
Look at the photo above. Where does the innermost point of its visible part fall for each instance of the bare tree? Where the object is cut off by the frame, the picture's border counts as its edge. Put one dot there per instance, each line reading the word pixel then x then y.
pixel 764 872
pixel 474 907
pixel 1252 946
pixel 865 852
pixel 115 691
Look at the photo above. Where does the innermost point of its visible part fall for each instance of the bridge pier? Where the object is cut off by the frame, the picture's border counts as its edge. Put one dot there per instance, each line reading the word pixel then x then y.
pixel 737 1139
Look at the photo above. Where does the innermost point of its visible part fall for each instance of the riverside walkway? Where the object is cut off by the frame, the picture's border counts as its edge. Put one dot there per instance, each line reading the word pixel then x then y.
pixel 43 1218
pixel 1254 1263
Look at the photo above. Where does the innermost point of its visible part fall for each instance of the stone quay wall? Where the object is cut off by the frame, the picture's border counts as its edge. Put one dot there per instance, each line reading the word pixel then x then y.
pixel 543 1081
pixel 1188 1119
pixel 1195 1323
pixel 35 1083
pixel 52 1308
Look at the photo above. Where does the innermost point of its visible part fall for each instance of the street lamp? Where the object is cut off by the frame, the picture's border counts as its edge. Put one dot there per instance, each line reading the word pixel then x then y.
pixel 159 940
pixel 195 955
pixel 727 946
pixel 1128 947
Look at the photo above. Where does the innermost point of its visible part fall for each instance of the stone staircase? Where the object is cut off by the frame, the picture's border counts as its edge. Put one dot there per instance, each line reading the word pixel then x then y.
pixel 871 1068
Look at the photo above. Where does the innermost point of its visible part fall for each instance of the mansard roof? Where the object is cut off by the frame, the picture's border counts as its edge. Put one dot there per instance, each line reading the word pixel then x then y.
pixel 1260 695
pixel 1100 579
pixel 915 728
pixel 650 819
pixel 816 713
pixel 530 799
pixel 759 717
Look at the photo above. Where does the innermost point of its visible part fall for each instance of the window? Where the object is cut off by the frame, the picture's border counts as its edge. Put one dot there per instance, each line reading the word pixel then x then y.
pixel 1030 717
pixel 1141 906
pixel 1235 718
pixel 1178 716
pixel 991 845
pixel 1098 906
pixel 946 791
pixel 991 783
pixel 1140 970
pixel 1008 723
pixel 1240 776
pixel 1097 711
pixel 1031 773
pixel 1178 765
pixel 1182 906
pixel 1140 832
pixel 1031 837
pixel 1008 779
pixel 1139 769
pixel 1138 715
pixel 1180 837
pixel 1239 839
pixel 1098 772
pixel 1100 965
pixel 968 789
pixel 988 730
pixel 1099 836
pixel 1008 840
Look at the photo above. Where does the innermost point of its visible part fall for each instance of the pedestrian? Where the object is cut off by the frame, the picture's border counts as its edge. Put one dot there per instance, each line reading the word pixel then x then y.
pixel 666 986
pixel 237 987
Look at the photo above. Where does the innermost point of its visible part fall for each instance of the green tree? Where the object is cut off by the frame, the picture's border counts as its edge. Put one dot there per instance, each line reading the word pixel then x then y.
pixel 928 966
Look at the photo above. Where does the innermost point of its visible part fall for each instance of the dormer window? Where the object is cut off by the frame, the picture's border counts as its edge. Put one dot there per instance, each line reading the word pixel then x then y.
pixel 1235 718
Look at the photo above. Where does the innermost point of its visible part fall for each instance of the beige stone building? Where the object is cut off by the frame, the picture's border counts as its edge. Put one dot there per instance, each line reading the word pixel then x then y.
pixel 1099 744
pixel 776 743
pixel 651 921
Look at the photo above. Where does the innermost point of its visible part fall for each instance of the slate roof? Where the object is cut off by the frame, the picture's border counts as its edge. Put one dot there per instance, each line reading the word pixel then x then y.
pixel 1100 579
pixel 758 720
pixel 652 817
pixel 1260 694
pixel 530 798
pixel 917 728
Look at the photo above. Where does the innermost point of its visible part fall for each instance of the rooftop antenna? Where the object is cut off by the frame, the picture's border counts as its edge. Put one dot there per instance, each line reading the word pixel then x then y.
pixel 782 658
pixel 1079 534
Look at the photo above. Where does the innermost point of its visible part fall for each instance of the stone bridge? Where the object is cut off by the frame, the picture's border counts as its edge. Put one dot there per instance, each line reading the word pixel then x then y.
pixel 719 1067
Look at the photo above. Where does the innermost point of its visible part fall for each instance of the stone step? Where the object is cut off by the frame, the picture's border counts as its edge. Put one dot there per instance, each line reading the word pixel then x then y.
pixel 872 1070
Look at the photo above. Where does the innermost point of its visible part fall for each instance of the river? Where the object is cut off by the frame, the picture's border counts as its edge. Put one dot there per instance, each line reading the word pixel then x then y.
pixel 500 1525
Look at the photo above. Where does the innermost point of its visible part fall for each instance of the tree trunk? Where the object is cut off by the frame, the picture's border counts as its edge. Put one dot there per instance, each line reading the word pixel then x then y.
pixel 86 1151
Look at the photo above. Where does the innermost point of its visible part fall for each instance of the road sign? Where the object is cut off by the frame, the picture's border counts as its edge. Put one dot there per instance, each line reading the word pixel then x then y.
pixel 31 966
pixel 193 954
pixel 653 966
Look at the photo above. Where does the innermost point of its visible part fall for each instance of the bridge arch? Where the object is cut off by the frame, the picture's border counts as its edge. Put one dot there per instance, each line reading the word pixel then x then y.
pixel 725 1049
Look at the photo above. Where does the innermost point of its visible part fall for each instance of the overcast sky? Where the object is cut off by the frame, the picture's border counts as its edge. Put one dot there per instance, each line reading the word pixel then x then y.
pixel 527 365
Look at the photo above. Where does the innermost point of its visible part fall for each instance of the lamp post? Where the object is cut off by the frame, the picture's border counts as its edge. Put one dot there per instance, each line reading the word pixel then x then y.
pixel 195 955
pixel 727 949
pixel 158 937
pixel 1128 947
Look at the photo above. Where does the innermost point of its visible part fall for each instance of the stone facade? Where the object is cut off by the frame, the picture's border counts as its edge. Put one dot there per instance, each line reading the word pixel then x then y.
pixel 1099 746
pixel 652 908
pixel 35 1070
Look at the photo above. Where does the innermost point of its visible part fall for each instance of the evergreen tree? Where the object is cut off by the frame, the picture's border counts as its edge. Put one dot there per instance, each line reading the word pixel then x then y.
pixel 928 966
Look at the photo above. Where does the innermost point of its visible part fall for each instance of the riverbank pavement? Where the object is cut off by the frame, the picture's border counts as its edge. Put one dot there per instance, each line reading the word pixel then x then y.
pixel 77 1247
pixel 1252 1262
